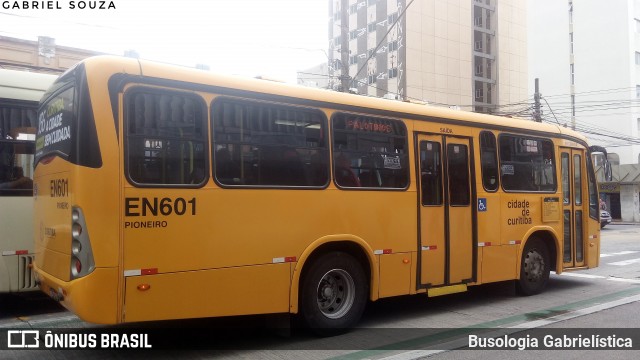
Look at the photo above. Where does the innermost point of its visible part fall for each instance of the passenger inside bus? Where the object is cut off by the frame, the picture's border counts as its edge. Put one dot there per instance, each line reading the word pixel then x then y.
pixel 344 174
pixel 15 179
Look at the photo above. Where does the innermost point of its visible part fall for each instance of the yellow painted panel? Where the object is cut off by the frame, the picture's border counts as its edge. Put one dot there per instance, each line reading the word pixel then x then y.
pixel 93 297
pixel 395 274
pixel 207 293
pixel 460 244
pixel 489 229
pixel 499 263
pixel 432 237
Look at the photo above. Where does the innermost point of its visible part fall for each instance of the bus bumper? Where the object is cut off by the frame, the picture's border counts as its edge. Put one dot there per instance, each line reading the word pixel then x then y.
pixel 91 297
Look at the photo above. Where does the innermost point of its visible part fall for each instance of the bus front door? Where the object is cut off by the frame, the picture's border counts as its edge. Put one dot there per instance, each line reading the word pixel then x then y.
pixel 573 207
pixel 446 215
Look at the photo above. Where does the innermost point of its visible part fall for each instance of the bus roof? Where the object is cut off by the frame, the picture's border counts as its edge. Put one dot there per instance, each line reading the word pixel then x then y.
pixel 23 85
pixel 157 70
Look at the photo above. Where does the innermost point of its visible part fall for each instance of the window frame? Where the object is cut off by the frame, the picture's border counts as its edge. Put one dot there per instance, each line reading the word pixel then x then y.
pixel 238 100
pixel 552 157
pixel 495 158
pixel 151 90
pixel 407 155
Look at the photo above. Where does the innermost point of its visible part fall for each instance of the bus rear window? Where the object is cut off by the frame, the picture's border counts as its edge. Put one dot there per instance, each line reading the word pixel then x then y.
pixel 55 120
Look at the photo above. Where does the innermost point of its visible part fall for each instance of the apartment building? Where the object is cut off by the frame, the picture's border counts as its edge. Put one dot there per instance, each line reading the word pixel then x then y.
pixel 466 53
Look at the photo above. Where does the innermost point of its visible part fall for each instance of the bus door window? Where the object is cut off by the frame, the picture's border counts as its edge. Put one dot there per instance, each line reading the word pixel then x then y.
pixel 431 173
pixel 458 174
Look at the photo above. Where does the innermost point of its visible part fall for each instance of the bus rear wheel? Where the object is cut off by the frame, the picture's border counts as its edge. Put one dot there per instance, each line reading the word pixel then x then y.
pixel 535 266
pixel 333 294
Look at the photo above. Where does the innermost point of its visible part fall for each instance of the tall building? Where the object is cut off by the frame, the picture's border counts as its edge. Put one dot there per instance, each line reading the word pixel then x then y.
pixel 586 54
pixel 467 53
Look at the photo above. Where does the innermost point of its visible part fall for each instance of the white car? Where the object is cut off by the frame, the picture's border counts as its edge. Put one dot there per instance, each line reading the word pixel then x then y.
pixel 605 218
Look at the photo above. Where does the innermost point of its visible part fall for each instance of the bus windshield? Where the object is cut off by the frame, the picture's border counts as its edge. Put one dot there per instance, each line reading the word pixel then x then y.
pixel 54 125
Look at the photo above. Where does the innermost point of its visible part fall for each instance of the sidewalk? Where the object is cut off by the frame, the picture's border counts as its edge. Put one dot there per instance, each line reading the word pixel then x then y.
pixel 620 222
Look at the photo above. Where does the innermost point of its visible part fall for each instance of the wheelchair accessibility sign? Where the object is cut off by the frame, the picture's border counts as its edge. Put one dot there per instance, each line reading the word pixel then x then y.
pixel 482 204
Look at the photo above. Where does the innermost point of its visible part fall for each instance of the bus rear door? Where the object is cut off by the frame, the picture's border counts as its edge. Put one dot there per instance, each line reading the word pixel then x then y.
pixel 447 247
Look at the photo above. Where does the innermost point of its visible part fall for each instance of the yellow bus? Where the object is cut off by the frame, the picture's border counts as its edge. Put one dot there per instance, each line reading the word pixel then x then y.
pixel 166 193
pixel 20 92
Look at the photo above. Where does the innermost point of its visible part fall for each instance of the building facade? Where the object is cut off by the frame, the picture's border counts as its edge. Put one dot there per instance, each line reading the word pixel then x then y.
pixel 621 193
pixel 42 56
pixel 586 54
pixel 465 53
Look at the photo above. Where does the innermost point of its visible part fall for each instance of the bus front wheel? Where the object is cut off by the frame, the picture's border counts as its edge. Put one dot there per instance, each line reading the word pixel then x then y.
pixel 535 266
pixel 333 294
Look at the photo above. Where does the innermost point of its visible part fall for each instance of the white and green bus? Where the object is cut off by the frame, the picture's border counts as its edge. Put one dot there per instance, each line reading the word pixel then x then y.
pixel 20 92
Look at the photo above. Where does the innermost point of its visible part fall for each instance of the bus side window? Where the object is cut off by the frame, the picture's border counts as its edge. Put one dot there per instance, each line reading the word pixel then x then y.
pixel 369 152
pixel 166 137
pixel 527 164
pixel 489 160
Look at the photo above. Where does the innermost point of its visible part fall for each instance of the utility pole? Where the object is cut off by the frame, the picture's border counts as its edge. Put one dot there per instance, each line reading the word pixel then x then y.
pixel 537 116
pixel 344 44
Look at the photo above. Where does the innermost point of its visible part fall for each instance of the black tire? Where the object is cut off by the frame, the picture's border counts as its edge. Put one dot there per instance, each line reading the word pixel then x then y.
pixel 333 294
pixel 535 266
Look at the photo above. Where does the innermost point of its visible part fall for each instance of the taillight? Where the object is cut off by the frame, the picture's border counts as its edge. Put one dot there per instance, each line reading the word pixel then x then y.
pixel 76 266
pixel 81 254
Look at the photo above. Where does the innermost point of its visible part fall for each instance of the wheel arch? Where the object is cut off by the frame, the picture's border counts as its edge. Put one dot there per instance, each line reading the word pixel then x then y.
pixel 552 242
pixel 349 244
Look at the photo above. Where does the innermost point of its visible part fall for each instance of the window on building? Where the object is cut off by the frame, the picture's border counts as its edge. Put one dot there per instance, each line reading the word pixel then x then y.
pixel 570 12
pixel 527 164
pixel 638 91
pixel 370 152
pixel 573 77
pixel 371 79
pixel 571 42
pixel 259 144
pixel 392 18
pixel 637 22
pixel 371 27
pixel 573 105
pixel 393 72
pixel 166 138
pixel 353 59
pixel 393 45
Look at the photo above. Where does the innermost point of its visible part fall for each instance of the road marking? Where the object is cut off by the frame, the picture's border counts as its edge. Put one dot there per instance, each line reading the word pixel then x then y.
pixel 610 278
pixel 625 262
pixel 633 281
pixel 576 313
pixel 586 276
pixel 618 253
pixel 460 340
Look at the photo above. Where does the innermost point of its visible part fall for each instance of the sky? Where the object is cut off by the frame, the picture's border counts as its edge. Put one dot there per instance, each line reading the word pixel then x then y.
pixel 273 38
